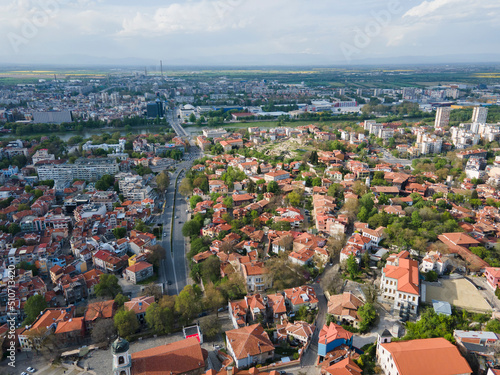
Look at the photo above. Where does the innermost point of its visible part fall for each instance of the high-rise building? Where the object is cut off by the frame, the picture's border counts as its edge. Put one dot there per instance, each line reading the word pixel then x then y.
pixel 155 109
pixel 442 117
pixel 479 115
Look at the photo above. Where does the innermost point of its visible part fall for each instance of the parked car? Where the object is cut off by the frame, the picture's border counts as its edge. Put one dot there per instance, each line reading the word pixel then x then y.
pixel 31 369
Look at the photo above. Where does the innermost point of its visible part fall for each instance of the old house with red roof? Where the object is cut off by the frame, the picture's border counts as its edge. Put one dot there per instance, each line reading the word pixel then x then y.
pixel 249 345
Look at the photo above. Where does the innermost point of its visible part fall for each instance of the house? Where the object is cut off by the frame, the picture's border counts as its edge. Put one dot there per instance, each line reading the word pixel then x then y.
pixel 300 331
pixel 301 296
pixel 276 176
pixel 375 235
pixel 434 261
pixel 302 257
pixel 277 303
pixel 31 336
pixel 180 357
pixel 99 310
pixel 400 284
pixel 332 336
pixel 238 311
pixel 344 307
pixel 139 306
pixel 344 367
pixel 249 345
pixel 138 272
pixel 492 275
pixel 435 356
pixel 71 331
pixel 254 274
pixel 483 338
pixel 256 306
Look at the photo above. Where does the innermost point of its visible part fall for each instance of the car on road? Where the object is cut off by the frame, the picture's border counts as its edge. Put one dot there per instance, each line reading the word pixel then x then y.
pixel 169 282
pixel 31 369
pixel 202 314
pixel 176 217
pixel 164 235
pixel 24 373
pixel 180 222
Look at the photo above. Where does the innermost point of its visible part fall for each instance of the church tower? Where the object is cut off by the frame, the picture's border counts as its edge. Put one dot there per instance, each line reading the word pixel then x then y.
pixel 121 359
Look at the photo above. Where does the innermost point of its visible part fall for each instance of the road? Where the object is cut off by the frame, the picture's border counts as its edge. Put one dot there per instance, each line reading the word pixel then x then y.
pixel 174 271
pixel 311 355
pixel 389 158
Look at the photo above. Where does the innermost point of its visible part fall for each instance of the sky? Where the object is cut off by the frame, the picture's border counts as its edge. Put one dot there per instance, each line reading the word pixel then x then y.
pixel 247 32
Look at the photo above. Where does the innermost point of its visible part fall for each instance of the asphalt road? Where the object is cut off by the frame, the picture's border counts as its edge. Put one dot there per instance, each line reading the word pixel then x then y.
pixel 174 271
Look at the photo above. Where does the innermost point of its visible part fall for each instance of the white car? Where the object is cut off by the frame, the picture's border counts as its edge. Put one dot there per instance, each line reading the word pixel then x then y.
pixel 31 369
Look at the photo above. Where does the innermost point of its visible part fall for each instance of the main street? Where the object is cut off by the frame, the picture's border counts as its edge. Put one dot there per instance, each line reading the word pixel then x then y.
pixel 174 271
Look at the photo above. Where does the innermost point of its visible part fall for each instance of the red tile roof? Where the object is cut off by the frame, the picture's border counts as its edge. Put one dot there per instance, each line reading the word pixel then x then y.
pixel 179 357
pixel 436 356
pixel 249 341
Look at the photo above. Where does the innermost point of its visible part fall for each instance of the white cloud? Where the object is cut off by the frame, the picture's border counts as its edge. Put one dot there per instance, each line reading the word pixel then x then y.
pixel 189 17
pixel 454 9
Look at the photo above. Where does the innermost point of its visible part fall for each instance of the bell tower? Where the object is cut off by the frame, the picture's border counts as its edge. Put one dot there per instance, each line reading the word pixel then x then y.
pixel 122 362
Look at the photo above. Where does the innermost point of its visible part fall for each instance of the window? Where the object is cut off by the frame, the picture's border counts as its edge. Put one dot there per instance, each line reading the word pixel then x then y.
pixel 121 360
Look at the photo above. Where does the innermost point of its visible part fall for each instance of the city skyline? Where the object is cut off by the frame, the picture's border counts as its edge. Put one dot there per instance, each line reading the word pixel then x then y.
pixel 233 32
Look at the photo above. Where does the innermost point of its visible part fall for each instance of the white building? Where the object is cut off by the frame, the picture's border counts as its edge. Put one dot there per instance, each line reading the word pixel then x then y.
pixel 400 284
pixel 480 114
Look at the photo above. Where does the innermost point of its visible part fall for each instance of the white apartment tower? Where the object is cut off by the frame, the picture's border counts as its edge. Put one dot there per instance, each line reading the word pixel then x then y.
pixel 442 117
pixel 479 115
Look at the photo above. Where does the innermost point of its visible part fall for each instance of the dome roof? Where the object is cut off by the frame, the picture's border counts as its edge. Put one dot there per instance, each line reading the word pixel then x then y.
pixel 120 345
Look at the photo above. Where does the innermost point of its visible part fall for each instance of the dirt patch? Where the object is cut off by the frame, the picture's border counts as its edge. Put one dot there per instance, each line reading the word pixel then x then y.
pixel 458 292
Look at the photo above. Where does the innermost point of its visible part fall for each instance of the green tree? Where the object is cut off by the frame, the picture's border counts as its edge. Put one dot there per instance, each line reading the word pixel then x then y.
pixel 210 269
pixel 14 228
pixel 188 303
pixel 228 201
pixel 367 314
pixel 119 232
pixel 162 180
pixel 214 299
pixel 192 118
pixel 34 305
pixel 160 318
pixel 120 299
pixel 185 187
pixel 493 326
pixel 352 266
pixel 211 326
pixel 191 228
pixel 295 197
pixel 272 187
pixel 108 286
pixel 316 181
pixel 194 200
pixel 126 322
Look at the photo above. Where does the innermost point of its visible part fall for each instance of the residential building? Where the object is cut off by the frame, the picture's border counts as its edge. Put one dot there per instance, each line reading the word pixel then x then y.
pixel 139 306
pixel 442 117
pixel 479 115
pixel 492 275
pixel 138 272
pixel 249 345
pixel 301 296
pixel 344 307
pixel 332 336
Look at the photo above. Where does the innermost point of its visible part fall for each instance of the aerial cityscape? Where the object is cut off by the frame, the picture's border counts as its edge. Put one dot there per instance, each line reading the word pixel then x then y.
pixel 257 207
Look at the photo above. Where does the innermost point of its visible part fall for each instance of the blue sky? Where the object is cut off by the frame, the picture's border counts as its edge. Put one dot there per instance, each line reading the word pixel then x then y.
pixel 226 31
